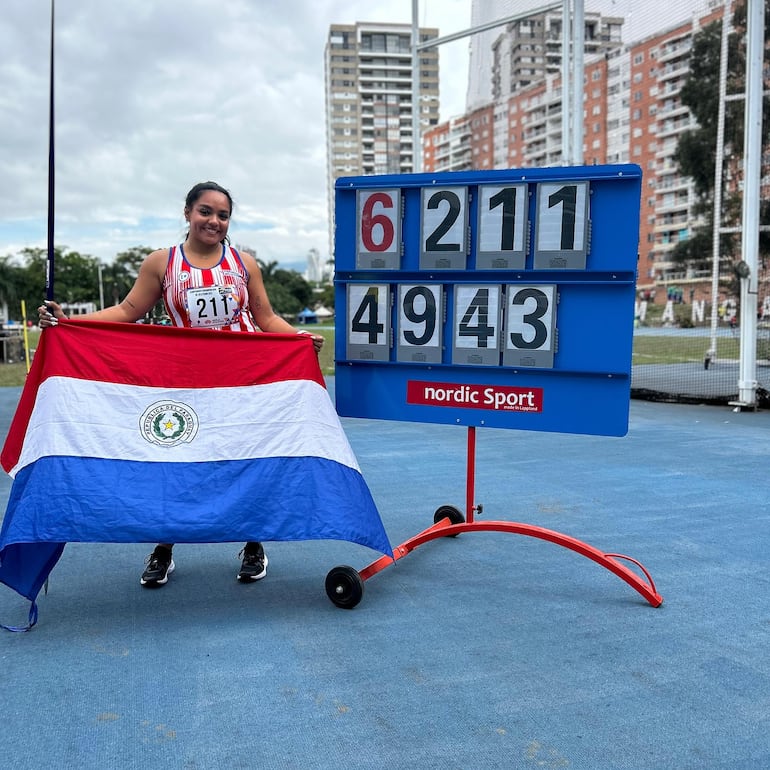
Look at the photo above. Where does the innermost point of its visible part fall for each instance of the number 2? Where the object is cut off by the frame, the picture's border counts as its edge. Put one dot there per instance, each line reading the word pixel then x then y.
pixel 433 241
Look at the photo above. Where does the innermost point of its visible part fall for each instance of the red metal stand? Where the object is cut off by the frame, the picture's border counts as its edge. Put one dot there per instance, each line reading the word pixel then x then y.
pixel 344 585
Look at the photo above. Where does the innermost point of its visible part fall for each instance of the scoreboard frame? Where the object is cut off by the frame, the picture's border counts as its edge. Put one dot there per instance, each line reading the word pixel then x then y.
pixel 488 298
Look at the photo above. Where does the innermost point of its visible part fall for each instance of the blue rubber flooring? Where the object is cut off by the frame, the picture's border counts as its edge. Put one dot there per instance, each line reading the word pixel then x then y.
pixel 488 650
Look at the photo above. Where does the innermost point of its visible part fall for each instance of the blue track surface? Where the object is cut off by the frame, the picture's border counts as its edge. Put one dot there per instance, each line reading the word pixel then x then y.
pixel 488 650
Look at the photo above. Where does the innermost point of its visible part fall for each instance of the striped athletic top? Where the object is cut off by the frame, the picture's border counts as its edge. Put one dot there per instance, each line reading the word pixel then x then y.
pixel 209 298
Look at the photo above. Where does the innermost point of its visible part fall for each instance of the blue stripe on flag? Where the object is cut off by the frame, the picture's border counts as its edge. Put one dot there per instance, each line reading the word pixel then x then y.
pixel 70 499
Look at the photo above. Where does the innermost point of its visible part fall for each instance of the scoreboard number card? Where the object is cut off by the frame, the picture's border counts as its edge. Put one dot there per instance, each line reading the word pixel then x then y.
pixel 502 227
pixel 444 228
pixel 368 327
pixel 420 318
pixel 561 226
pixel 476 325
pixel 530 326
pixel 378 225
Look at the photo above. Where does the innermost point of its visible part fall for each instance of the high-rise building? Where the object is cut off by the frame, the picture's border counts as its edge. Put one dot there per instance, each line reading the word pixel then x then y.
pixel 632 113
pixel 447 146
pixel 660 65
pixel 369 87
pixel 531 48
pixel 480 47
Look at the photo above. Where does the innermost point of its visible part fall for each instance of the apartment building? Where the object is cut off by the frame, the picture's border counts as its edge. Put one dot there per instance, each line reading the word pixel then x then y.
pixel 530 49
pixel 659 69
pixel 526 77
pixel 447 146
pixel 632 113
pixel 369 100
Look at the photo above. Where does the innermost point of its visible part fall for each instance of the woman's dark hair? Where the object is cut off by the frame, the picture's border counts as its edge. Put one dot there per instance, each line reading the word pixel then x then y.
pixel 203 187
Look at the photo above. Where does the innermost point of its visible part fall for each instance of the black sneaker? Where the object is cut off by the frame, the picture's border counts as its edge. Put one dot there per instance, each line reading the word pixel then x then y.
pixel 254 564
pixel 159 566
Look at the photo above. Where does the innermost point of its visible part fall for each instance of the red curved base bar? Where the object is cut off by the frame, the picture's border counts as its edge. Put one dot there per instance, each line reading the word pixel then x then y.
pixel 445 528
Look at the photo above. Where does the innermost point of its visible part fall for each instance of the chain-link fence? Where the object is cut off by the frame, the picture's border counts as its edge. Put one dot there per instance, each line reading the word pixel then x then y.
pixel 682 354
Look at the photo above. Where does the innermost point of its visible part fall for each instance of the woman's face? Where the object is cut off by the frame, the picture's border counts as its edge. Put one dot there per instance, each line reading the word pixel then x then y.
pixel 209 217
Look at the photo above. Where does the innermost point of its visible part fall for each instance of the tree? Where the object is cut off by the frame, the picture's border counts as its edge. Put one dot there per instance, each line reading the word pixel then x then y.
pixel 326 296
pixel 289 292
pixel 119 276
pixel 75 275
pixel 10 283
pixel 696 148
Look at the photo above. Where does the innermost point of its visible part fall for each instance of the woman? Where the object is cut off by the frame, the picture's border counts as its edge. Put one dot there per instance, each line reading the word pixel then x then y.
pixel 204 283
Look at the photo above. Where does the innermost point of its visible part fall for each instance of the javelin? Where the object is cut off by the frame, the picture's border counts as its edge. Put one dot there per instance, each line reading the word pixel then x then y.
pixel 49 261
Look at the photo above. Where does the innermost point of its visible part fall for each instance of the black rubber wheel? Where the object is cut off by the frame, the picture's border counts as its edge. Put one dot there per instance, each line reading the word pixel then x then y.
pixel 455 515
pixel 344 587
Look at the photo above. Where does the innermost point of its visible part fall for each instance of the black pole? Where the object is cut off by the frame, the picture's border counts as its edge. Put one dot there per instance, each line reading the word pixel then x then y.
pixel 49 294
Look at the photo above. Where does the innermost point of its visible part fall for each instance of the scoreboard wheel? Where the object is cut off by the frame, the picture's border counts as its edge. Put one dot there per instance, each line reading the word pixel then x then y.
pixel 344 587
pixel 455 515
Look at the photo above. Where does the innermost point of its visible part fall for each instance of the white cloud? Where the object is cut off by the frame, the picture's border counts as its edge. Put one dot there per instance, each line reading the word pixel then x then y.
pixel 152 97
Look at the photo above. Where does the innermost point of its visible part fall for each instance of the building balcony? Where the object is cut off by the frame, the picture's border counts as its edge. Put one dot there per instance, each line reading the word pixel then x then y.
pixel 674 71
pixel 671 111
pixel 677 207
pixel 675 50
pixel 682 223
pixel 674 128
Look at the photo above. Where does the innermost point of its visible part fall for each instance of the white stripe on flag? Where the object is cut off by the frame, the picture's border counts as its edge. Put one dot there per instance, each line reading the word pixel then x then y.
pixel 84 418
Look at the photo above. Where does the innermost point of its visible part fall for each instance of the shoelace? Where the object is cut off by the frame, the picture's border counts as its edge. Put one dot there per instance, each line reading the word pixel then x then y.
pixel 250 559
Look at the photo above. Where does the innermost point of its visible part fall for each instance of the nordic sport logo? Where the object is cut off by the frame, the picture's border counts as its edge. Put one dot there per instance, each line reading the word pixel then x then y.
pixel 496 397
pixel 168 423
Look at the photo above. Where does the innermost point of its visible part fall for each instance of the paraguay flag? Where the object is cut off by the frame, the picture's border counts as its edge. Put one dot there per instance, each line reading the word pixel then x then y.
pixel 134 433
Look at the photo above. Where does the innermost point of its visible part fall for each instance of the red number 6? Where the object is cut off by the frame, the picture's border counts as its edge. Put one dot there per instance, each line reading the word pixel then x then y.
pixel 369 221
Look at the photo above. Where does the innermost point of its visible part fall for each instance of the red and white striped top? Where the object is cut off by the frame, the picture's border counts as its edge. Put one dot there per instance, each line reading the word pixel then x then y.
pixel 213 297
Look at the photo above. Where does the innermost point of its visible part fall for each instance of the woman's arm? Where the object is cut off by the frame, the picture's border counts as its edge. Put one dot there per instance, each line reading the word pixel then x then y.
pixel 145 292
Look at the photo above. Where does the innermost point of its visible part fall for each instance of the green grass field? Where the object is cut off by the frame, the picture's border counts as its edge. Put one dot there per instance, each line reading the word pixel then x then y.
pixel 671 349
pixel 681 350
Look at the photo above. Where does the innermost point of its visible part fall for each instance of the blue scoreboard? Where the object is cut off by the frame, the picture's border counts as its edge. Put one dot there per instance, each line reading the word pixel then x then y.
pixel 499 299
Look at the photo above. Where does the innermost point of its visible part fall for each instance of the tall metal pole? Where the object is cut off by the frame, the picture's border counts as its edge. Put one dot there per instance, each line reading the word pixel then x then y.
pixel 416 133
pixel 718 173
pixel 49 264
pixel 566 81
pixel 752 164
pixel 578 68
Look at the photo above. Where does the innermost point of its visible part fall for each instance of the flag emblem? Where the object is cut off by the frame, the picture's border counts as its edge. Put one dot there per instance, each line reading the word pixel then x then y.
pixel 168 423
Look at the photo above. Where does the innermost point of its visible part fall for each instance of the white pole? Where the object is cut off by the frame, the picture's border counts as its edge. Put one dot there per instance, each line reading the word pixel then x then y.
pixel 718 171
pixel 566 79
pixel 578 55
pixel 416 133
pixel 752 162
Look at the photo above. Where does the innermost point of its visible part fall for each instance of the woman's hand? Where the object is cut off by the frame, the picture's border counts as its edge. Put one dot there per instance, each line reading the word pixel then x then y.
pixel 49 313
pixel 318 340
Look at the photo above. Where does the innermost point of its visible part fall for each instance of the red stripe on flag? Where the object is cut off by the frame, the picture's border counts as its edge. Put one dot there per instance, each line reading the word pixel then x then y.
pixel 159 357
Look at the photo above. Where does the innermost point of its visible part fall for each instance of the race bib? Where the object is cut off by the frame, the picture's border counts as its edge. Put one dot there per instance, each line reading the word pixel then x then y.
pixel 212 306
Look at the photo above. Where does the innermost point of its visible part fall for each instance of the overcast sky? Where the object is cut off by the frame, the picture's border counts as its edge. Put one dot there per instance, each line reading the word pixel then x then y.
pixel 153 96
